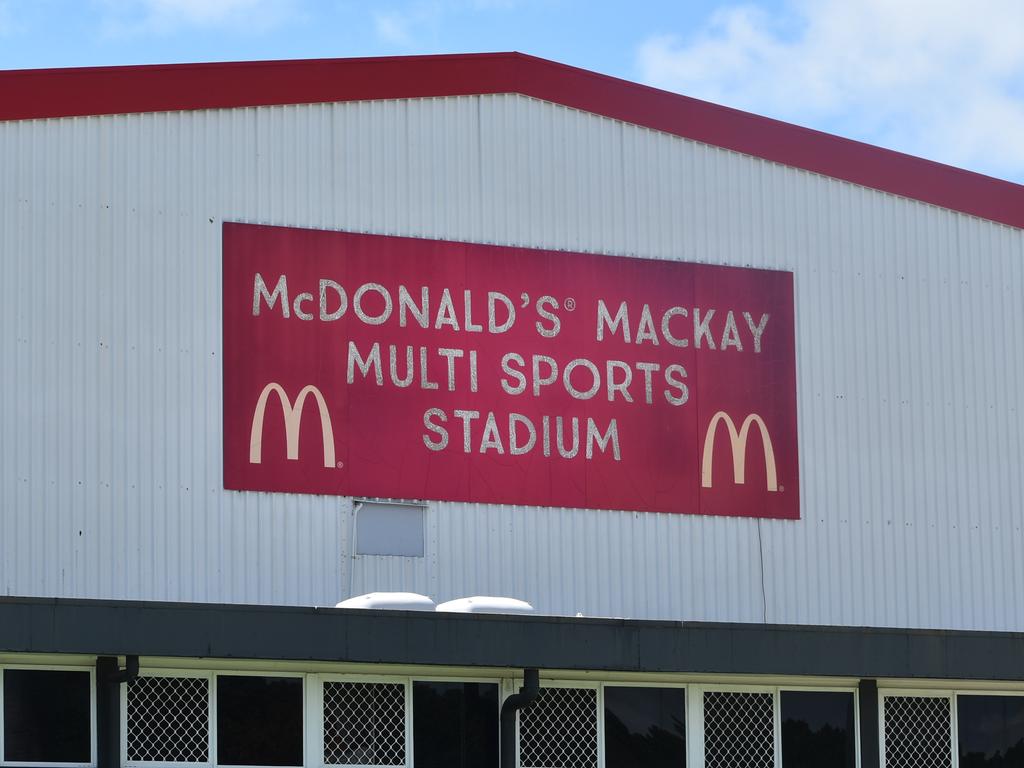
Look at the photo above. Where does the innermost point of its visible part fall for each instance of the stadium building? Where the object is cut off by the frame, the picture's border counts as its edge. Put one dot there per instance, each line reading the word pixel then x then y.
pixel 631 430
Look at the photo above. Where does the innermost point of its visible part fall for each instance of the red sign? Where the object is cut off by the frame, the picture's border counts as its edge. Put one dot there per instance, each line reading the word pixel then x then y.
pixel 421 369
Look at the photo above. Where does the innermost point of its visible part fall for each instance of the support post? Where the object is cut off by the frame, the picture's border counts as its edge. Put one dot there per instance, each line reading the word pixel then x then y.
pixel 109 677
pixel 108 713
pixel 869 724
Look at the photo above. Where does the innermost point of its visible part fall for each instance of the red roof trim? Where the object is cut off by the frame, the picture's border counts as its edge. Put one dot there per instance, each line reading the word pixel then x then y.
pixel 30 94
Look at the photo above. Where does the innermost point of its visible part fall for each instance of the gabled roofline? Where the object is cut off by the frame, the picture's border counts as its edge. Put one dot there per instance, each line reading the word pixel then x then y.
pixel 49 93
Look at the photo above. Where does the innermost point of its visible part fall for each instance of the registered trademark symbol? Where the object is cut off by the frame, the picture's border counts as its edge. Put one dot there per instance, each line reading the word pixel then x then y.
pixel 342 464
pixel 781 487
pixel 570 304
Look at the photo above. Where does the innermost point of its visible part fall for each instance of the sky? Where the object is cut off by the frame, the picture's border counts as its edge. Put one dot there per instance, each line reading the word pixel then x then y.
pixel 942 79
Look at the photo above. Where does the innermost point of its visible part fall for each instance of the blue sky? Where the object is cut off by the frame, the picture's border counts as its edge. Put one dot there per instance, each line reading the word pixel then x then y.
pixel 943 79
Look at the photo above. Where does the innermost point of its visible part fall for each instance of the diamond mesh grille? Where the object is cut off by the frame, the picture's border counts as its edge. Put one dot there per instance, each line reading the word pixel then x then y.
pixel 168 720
pixel 364 724
pixel 739 729
pixel 917 732
pixel 559 730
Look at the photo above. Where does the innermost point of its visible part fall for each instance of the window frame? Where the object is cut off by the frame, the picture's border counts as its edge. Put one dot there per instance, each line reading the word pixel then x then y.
pixel 948 694
pixel 211 723
pixel 688 726
pixel 410 723
pixel 598 686
pixel 315 723
pixel 260 673
pixel 92 716
pixel 695 713
pixel 211 676
pixel 956 694
pixel 694 690
pixel 695 700
pixel 826 689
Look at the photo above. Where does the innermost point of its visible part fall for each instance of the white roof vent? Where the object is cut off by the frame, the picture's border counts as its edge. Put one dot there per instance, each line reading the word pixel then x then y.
pixel 389 601
pixel 485 604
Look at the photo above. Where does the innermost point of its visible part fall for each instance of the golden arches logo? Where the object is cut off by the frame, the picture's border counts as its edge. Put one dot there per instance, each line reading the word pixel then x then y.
pixel 738 441
pixel 292 423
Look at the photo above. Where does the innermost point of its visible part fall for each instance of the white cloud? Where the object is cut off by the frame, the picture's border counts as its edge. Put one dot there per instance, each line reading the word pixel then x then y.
pixel 494 5
pixel 421 24
pixel 939 78
pixel 126 17
pixel 203 12
pixel 394 28
pixel 410 27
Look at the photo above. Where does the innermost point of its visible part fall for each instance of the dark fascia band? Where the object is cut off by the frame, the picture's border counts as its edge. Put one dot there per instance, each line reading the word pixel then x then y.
pixel 104 627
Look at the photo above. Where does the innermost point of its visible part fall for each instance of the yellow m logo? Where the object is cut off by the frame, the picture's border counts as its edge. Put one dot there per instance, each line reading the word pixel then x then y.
pixel 739 449
pixel 292 422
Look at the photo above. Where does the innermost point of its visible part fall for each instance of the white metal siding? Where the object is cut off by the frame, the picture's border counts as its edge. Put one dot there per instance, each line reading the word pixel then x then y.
pixel 910 346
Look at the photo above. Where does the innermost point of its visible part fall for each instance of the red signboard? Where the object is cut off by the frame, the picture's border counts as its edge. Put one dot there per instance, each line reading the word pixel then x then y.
pixel 422 369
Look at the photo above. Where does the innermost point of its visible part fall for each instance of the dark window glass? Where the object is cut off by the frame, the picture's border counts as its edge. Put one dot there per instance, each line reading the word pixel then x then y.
pixel 644 727
pixel 818 730
pixel 47 716
pixel 455 725
pixel 259 720
pixel 991 731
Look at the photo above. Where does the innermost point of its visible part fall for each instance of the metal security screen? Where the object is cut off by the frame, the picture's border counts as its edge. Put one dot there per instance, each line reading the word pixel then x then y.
pixel 918 732
pixel 559 730
pixel 364 724
pixel 739 729
pixel 168 720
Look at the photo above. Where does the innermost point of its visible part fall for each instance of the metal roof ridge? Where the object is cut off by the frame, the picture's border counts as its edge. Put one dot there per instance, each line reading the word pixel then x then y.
pixel 91 91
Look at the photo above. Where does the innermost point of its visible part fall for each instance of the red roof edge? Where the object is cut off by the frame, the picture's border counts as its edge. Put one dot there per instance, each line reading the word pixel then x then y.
pixel 34 94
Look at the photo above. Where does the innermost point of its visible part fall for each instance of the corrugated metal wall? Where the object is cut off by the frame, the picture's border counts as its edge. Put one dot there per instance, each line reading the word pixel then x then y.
pixel 910 333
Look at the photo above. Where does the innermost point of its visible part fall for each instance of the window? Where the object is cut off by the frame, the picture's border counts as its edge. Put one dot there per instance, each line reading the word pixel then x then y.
pixel 167 719
pixel 991 731
pixel 739 729
pixel 47 716
pixel 364 723
pixel 917 731
pixel 455 725
pixel 259 720
pixel 818 729
pixel 208 719
pixel 644 727
pixel 389 529
pixel 559 730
